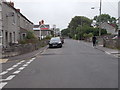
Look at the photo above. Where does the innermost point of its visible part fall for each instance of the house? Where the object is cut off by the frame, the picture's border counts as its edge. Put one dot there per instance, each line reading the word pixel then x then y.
pixel 57 32
pixel 0 23
pixel 119 18
pixel 14 25
pixel 42 30
pixel 111 28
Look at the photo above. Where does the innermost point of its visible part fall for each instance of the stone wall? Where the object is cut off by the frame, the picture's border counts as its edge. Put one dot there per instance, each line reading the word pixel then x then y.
pixel 22 49
pixel 110 43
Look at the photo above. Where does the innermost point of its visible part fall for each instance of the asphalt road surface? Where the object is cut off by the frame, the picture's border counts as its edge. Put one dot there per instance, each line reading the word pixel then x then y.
pixel 75 65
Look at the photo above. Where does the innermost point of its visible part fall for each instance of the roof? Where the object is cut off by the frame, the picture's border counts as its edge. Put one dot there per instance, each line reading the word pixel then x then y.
pixel 36 26
pixel 42 27
pixel 105 24
pixel 113 25
pixel 7 3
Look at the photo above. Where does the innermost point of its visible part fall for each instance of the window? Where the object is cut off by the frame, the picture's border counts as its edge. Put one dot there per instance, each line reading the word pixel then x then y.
pixel 23 36
pixel 14 19
pixel 14 36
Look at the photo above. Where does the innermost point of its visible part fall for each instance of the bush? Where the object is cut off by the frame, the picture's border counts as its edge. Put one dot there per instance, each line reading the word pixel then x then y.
pixel 30 35
pixel 48 37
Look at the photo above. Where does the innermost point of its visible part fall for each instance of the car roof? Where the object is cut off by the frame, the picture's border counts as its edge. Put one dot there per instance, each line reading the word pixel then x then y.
pixel 55 37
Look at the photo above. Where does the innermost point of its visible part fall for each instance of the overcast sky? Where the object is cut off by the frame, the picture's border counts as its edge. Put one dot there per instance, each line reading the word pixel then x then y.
pixel 60 12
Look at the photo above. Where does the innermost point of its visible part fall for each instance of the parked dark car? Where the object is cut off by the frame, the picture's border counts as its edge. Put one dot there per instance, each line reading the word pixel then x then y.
pixel 55 42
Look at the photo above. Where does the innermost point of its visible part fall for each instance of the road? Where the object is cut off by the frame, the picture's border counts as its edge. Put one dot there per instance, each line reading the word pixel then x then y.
pixel 75 65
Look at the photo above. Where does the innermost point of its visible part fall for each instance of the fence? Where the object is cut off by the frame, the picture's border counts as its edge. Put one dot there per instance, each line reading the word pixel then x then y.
pixel 22 49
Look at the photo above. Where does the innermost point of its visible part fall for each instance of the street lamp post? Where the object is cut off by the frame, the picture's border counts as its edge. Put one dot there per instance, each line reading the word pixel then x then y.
pixel 100 19
pixel 100 8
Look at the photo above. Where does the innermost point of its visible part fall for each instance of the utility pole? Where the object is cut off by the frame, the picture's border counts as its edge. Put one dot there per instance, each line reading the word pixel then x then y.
pixel 100 18
pixel 54 30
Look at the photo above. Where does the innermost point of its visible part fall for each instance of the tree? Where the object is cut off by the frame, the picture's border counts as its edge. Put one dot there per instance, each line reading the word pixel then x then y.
pixel 105 18
pixel 65 32
pixel 102 18
pixel 79 20
pixel 76 24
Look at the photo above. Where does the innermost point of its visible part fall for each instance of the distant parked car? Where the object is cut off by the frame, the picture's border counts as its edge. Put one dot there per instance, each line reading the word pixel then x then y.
pixel 55 42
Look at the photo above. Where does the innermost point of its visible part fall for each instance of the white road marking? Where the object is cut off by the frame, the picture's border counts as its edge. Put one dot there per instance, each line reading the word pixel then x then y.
pixel 16 72
pixel 18 63
pixel 3 72
pixel 33 58
pixel 2 84
pixel 9 69
pixel 22 61
pixel 21 68
pixel 107 52
pixel 10 77
pixel 14 66
pixel 28 62
pixel 25 65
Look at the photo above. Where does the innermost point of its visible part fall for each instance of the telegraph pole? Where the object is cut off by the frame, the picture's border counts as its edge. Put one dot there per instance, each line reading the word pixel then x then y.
pixel 100 18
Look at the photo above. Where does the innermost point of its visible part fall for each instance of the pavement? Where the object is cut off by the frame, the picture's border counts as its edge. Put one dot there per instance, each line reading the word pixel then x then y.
pixel 114 52
pixel 109 51
pixel 24 56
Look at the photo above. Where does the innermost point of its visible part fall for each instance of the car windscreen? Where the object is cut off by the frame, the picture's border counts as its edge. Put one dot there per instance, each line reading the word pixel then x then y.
pixel 55 40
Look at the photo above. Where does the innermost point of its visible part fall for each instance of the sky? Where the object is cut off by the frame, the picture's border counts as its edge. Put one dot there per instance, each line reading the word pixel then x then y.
pixel 60 12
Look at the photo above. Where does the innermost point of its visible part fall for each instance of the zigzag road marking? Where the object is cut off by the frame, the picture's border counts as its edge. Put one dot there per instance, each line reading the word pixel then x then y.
pixel 2 84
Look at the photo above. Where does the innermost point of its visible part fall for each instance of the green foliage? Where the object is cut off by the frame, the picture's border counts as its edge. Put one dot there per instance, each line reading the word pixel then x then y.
pixel 79 21
pixel 22 41
pixel 30 35
pixel 47 37
pixel 65 32
pixel 80 27
pixel 102 18
pixel 105 18
pixel 30 38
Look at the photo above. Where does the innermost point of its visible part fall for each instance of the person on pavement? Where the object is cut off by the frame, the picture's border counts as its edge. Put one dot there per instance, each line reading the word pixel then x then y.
pixel 94 40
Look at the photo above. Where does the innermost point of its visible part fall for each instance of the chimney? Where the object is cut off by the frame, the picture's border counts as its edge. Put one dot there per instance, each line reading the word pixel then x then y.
pixel 18 10
pixel 39 22
pixel 42 22
pixel 11 3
